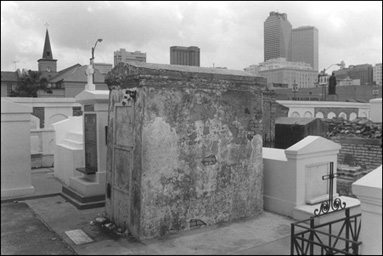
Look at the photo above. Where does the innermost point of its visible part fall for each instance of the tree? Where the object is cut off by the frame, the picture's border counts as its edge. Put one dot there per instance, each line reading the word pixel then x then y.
pixel 29 83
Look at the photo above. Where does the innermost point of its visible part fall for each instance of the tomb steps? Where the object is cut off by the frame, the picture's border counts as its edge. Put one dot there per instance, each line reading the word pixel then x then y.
pixel 89 185
pixel 74 135
pixel 86 191
pixel 73 140
pixel 82 202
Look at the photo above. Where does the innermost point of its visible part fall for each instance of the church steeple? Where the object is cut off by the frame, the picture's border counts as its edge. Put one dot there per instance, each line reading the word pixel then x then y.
pixel 47 52
pixel 47 63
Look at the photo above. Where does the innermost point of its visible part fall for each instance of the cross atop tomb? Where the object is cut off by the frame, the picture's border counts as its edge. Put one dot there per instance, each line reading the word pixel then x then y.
pixel 89 74
pixel 331 176
pixel 336 204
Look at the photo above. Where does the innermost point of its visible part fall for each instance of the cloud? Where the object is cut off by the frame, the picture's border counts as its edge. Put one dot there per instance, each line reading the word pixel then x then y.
pixel 229 34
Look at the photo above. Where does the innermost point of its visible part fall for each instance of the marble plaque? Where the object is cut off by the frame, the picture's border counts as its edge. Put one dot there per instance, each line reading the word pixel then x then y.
pixel 90 123
pixel 78 236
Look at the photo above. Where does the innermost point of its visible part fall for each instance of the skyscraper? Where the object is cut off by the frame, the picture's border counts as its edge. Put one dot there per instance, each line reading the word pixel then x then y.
pixel 304 45
pixel 277 34
pixel 189 56
pixel 123 56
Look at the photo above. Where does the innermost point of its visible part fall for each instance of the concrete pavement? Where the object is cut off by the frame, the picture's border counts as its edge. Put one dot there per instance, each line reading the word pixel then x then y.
pixel 266 234
pixel 23 233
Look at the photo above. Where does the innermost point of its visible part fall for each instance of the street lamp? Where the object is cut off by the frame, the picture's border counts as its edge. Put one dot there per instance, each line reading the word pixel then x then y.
pixel 323 73
pixel 295 89
pixel 92 59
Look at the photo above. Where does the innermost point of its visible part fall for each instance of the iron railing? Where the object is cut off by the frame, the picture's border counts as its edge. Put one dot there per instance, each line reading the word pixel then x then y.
pixel 310 240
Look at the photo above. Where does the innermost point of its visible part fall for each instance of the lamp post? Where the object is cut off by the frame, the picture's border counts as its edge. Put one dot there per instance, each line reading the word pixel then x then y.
pixel 323 73
pixel 92 59
pixel 295 89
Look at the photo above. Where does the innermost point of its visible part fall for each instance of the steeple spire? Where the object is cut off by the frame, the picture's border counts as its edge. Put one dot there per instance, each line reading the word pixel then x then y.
pixel 47 63
pixel 47 52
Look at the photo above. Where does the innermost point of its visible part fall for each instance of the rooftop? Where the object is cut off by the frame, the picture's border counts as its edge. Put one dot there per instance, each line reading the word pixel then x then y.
pixel 10 76
pixel 190 69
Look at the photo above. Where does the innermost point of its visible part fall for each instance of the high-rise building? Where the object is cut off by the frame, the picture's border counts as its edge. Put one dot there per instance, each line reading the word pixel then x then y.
pixel 253 69
pixel 304 46
pixel 377 74
pixel 282 63
pixel 189 56
pixel 364 72
pixel 123 56
pixel 277 34
pixel 286 73
pixel 104 68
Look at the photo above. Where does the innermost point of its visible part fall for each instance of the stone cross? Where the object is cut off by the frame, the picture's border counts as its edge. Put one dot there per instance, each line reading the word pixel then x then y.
pixel 89 73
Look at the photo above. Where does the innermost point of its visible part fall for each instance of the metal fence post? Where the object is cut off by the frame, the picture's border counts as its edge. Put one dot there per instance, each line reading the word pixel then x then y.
pixel 347 227
pixel 311 236
pixel 292 240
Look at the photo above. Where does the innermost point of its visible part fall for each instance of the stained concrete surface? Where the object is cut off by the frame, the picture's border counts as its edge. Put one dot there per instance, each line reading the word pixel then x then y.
pixel 264 233
pixel 267 234
pixel 23 233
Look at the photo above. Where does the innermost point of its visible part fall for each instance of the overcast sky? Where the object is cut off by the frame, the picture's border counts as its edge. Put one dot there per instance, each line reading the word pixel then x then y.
pixel 229 34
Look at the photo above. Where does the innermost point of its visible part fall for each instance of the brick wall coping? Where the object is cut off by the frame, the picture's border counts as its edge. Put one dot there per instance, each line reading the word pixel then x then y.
pixel 356 140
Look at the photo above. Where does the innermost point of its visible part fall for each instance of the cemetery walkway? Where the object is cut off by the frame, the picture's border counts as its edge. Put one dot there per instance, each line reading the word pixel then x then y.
pixel 23 233
pixel 46 221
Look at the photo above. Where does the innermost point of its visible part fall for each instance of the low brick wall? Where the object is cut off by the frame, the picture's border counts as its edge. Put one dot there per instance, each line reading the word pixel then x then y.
pixel 366 153
pixel 347 176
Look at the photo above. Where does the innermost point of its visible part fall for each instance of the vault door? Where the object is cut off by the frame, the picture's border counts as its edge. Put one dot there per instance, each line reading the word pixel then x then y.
pixel 123 146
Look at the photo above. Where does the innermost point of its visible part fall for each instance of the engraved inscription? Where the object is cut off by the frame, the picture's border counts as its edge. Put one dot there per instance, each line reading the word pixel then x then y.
pixel 90 142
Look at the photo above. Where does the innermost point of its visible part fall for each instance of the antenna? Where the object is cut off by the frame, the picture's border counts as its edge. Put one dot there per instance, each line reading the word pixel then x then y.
pixel 46 25
pixel 14 62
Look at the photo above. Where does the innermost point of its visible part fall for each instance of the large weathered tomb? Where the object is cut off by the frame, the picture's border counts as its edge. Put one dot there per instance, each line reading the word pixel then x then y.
pixel 184 147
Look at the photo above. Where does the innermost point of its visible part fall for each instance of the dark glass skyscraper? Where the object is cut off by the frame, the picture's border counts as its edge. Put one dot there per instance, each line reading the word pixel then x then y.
pixel 188 56
pixel 277 35
pixel 304 45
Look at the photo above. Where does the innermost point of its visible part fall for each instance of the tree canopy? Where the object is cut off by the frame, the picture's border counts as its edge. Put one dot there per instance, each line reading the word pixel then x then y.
pixel 29 83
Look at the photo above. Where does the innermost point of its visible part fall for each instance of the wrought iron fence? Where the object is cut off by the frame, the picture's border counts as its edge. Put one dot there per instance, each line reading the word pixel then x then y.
pixel 268 142
pixel 314 239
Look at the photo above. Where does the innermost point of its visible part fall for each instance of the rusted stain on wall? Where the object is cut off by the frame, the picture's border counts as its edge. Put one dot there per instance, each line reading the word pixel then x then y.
pixel 198 142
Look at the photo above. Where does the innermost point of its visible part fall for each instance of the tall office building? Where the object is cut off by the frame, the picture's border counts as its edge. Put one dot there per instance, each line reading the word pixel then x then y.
pixel 304 45
pixel 104 68
pixel 277 34
pixel 282 73
pixel 123 56
pixel 364 72
pixel 377 74
pixel 189 56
